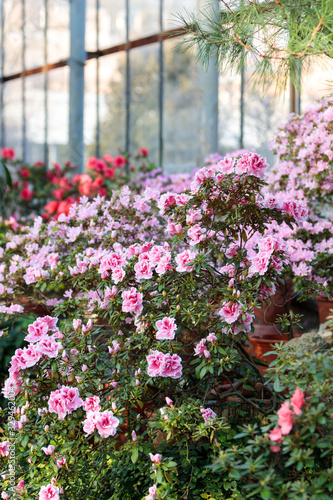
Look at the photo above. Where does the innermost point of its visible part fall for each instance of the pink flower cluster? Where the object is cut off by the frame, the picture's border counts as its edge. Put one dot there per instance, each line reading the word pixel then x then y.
pixel 166 328
pixel 286 418
pixel 64 401
pixel 164 365
pixel 105 422
pixel 208 415
pixel 152 493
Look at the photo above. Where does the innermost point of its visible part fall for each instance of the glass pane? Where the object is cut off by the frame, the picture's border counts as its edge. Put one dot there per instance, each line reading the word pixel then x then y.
pixel 112 23
pixel 35 118
pixel 229 112
pixel 144 117
pixel 144 18
pixel 90 107
pixel 13 37
pixel 181 110
pixel 316 82
pixel 13 116
pixel 263 115
pixel 58 30
pixel 112 103
pixel 34 34
pixel 173 8
pixel 91 25
pixel 58 110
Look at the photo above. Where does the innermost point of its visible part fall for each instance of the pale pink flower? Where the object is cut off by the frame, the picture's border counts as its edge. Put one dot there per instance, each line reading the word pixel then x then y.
pixel 37 330
pixel 260 263
pixel 251 164
pixel 200 348
pixel 286 418
pixel 169 401
pixel 164 264
pixel 132 301
pixel 115 348
pixel 92 404
pixel 193 216
pixel 107 424
pixel 155 360
pixel 49 492
pixel 166 328
pixel 90 422
pixel 49 347
pixel 134 436
pixel 143 269
pixel 196 233
pixel 156 459
pixel 118 274
pixel 230 312
pixel 171 366
pixel 183 259
pixel 49 450
pixel 167 200
pixel 31 355
pixel 227 165
pixel 152 493
pixel 61 461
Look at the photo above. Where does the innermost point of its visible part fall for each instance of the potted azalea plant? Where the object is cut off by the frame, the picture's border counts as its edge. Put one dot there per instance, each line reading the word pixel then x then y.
pixel 150 301
pixel 304 171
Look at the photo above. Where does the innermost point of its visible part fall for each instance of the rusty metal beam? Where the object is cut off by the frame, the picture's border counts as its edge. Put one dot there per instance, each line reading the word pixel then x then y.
pixel 140 42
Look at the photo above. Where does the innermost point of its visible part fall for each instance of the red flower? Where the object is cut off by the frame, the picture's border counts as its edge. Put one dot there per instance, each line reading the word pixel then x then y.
pixel 8 153
pixel 58 194
pixel 102 191
pixel 26 193
pixel 51 207
pixel 119 161
pixel 24 172
pixel 109 173
pixel 143 152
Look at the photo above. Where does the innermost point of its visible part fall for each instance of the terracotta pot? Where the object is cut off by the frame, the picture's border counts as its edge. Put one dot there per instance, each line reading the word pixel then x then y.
pixel 275 305
pixel 325 309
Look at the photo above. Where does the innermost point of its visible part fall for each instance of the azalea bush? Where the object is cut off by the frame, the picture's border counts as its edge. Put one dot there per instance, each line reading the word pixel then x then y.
pixel 148 302
pixel 304 170
pixel 290 457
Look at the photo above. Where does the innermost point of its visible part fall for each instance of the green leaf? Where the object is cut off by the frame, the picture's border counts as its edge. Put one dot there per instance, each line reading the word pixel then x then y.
pixel 159 476
pixel 25 440
pixel 135 455
pixel 168 477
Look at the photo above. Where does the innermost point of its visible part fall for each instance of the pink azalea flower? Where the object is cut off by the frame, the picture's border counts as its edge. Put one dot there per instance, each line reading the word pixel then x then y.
pixel 297 401
pixel 4 449
pixel 107 424
pixel 156 459
pixel 183 259
pixel 169 401
pixel 286 418
pixel 61 461
pixel 49 492
pixel 37 331
pixel 132 301
pixel 152 493
pixel 171 366
pixel 276 436
pixel 166 328
pixel 92 404
pixel 49 450
pixel 155 360
pixel 230 312
pixel 208 415
pixel 49 347
pixel 143 269
pixel 90 422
